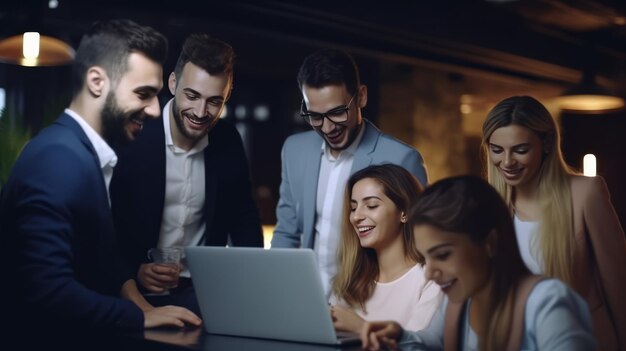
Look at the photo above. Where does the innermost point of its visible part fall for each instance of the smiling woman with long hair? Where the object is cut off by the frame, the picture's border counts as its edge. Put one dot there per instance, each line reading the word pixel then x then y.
pixel 565 223
pixel 381 274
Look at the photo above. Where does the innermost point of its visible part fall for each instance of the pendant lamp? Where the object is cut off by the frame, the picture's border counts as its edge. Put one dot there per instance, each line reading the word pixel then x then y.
pixel 33 50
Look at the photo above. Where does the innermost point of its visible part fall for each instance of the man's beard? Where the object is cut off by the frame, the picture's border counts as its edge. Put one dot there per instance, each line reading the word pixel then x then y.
pixel 114 122
pixel 180 124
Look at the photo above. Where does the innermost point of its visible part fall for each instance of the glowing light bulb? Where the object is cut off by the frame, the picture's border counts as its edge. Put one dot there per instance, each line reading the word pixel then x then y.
pixel 30 45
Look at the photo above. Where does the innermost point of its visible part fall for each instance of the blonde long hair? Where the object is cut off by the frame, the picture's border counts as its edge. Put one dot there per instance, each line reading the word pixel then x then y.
pixel 556 239
pixel 358 266
pixel 468 205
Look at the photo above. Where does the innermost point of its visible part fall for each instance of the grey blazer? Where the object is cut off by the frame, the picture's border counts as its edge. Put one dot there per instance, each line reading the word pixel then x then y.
pixel 301 155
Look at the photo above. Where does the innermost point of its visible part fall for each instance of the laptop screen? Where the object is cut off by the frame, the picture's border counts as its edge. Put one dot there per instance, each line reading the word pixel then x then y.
pixel 253 292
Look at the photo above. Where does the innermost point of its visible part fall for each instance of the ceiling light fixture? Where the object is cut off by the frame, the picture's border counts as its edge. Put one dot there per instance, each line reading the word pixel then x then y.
pixel 588 97
pixel 32 49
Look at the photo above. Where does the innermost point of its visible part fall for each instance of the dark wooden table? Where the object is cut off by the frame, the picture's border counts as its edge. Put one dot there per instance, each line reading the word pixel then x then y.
pixel 198 339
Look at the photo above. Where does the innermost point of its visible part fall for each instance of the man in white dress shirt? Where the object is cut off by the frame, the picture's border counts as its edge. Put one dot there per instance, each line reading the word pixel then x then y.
pixel 185 181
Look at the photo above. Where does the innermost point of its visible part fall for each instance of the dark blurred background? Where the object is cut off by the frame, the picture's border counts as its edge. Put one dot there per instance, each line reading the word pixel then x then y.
pixel 433 69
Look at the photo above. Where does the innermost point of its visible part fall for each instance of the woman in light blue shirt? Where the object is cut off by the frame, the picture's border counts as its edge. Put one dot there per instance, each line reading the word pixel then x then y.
pixel 463 229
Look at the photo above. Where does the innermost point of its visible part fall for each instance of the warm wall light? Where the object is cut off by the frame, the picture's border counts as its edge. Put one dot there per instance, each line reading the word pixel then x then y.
pixel 23 50
pixel 589 165
pixel 589 98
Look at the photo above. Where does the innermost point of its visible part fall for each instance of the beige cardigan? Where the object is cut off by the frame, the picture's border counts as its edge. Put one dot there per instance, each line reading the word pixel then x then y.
pixel 600 260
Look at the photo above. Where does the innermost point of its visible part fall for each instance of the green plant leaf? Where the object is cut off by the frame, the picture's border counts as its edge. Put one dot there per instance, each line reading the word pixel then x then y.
pixel 13 137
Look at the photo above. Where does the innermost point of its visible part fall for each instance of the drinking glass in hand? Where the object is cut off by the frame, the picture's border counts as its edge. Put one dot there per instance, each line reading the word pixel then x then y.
pixel 168 257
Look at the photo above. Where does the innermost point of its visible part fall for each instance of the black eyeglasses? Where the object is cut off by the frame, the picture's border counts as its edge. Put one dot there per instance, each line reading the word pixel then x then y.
pixel 336 115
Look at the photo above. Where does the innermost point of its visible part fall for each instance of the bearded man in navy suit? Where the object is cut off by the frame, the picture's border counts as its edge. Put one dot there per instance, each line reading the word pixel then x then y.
pixel 65 276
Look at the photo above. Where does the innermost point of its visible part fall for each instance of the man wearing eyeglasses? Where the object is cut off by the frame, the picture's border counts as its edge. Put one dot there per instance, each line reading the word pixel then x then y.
pixel 185 182
pixel 317 164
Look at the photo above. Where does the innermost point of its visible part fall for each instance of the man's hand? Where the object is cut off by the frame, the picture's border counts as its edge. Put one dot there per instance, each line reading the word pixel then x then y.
pixel 170 316
pixel 156 277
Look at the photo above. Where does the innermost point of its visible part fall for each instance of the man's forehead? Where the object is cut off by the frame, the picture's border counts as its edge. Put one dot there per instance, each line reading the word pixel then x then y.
pixel 325 98
pixel 143 71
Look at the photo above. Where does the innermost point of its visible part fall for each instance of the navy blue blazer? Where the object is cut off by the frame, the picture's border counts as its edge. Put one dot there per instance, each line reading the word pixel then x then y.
pixel 138 192
pixel 57 238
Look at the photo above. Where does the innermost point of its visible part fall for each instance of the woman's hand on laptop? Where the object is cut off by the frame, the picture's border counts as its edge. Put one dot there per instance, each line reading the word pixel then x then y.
pixel 377 335
pixel 170 316
pixel 345 319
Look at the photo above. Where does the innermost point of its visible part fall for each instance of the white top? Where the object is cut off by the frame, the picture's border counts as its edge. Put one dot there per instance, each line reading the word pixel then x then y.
pixel 556 319
pixel 331 184
pixel 528 244
pixel 183 219
pixel 106 155
pixel 410 300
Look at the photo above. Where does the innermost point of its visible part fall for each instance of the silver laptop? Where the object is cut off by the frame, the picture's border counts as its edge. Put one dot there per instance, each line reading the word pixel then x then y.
pixel 272 294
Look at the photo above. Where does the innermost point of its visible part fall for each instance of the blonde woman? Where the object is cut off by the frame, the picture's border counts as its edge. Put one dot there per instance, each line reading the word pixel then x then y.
pixel 380 272
pixel 463 229
pixel 566 226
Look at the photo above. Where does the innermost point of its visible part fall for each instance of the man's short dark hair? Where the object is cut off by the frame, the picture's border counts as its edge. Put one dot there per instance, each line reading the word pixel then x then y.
pixel 329 67
pixel 212 55
pixel 109 43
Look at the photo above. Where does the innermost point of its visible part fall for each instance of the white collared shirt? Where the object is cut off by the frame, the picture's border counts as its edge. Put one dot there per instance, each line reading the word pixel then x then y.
pixel 106 155
pixel 331 184
pixel 183 218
